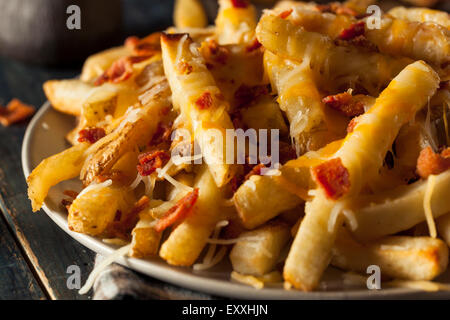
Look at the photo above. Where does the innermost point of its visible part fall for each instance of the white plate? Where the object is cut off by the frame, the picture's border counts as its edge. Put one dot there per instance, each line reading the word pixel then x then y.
pixel 45 137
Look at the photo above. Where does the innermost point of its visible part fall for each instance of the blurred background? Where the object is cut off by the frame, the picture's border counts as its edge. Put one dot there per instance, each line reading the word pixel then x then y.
pixel 35 31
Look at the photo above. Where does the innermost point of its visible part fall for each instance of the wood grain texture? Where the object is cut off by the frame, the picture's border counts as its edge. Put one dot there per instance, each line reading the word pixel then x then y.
pixel 16 279
pixel 48 249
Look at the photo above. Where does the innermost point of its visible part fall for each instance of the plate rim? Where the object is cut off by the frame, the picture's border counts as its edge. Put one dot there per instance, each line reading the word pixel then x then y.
pixel 202 284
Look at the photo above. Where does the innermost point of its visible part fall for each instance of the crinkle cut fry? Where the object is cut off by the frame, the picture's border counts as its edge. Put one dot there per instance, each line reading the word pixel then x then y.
pixel 362 154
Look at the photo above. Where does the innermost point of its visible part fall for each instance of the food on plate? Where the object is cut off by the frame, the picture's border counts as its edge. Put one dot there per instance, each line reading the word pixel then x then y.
pixel 291 143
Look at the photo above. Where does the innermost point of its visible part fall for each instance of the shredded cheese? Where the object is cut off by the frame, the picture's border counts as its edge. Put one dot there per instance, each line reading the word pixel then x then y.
pixel 174 182
pixel 95 186
pixel 427 205
pixel 209 259
pixel 247 279
pixel 102 266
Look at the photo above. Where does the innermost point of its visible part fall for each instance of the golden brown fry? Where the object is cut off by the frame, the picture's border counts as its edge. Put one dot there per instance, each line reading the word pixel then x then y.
pixel 399 209
pixel 257 251
pixel 59 167
pixel 189 14
pixel 188 239
pixel 362 154
pixel 409 258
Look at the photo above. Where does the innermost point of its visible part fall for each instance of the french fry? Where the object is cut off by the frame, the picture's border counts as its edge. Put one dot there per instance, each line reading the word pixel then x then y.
pixel 362 154
pixel 257 251
pixel 264 197
pixel 136 128
pixel 400 257
pixel 420 41
pixel 264 114
pixel 421 15
pixel 98 63
pixel 95 208
pixel 300 99
pixel 187 240
pixel 235 24
pixel 399 209
pixel 443 226
pixel 285 39
pixel 189 14
pixel 195 94
pixel 59 167
pixel 67 96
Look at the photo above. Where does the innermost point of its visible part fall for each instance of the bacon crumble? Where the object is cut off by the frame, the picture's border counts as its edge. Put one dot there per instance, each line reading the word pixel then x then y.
pixel 180 211
pixel 429 162
pixel 345 103
pixel 240 3
pixel 336 8
pixel 150 161
pixel 333 177
pixel 120 70
pixel 255 45
pixel 285 14
pixel 15 111
pixel 91 135
pixel 205 101
pixel 354 30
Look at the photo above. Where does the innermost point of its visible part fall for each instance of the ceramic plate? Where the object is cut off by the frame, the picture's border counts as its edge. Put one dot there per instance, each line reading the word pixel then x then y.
pixel 45 137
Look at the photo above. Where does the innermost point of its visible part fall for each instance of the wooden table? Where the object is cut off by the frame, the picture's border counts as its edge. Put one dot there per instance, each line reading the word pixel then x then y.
pixel 34 252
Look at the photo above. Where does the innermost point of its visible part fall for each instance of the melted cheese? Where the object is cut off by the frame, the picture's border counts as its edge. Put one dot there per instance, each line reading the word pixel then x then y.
pixel 427 206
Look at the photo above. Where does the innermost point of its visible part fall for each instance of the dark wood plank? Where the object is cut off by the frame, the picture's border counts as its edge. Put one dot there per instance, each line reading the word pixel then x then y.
pixel 50 250
pixel 17 280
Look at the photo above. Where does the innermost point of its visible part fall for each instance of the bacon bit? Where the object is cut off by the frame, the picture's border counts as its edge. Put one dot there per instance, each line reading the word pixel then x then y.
pixel 66 203
pixel 147 46
pixel 355 30
pixel 91 135
pixel 14 112
pixel 205 101
pixel 351 125
pixel 120 70
pixel 162 134
pixel 333 177
pixel 184 68
pixel 244 95
pixel 432 163
pixel 150 161
pixel 70 193
pixel 215 53
pixel 180 211
pixel 336 8
pixel 255 45
pixel 124 223
pixel 345 103
pixel 240 3
pixel 285 14
pixel 359 41
pixel 114 175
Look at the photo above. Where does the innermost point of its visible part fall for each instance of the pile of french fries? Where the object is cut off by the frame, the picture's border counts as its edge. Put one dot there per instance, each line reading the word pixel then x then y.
pixel 361 113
